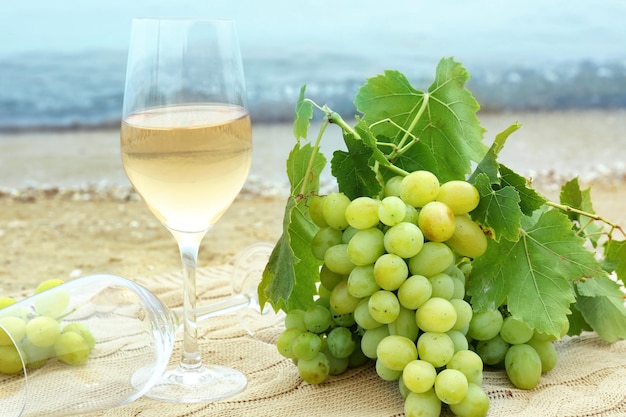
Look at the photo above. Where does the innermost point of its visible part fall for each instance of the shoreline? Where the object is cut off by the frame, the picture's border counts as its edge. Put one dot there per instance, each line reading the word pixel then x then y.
pixel 67 209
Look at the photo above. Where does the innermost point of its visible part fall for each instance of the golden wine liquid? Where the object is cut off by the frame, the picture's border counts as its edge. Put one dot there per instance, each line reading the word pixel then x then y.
pixel 188 163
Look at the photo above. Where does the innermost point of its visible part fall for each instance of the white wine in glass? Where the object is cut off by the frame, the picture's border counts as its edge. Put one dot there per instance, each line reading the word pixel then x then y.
pixel 186 144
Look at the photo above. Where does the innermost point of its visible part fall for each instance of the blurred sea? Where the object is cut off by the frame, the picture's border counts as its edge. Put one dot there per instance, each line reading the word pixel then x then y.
pixel 62 64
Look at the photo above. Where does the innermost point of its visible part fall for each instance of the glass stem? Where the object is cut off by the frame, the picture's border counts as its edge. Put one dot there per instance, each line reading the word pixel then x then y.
pixel 189 244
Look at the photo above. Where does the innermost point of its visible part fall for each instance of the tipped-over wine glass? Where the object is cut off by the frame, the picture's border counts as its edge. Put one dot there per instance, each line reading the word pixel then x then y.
pixel 186 148
pixel 129 335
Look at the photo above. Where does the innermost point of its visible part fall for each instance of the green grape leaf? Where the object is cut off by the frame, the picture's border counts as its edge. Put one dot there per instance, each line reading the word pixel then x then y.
pixel 533 275
pixel 530 200
pixel 443 120
pixel 498 210
pixel 489 164
pixel 601 302
pixel 615 253
pixel 291 273
pixel 354 175
pixel 571 195
pixel 303 115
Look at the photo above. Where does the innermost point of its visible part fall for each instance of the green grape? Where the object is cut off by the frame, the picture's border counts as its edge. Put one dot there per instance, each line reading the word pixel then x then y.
pixel 343 320
pixel 396 351
pixel 370 340
pixel 336 258
pixel 43 331
pixel 546 352
pixel 485 325
pixel 361 282
pixel 6 301
pixel 366 246
pixel 385 373
pixel 11 329
pixel 72 349
pixel 419 188
pixel 436 221
pixel 523 366
pixel 469 363
pixel 404 239
pixel 455 272
pixel 329 278
pixel 414 292
pixel 436 315
pixel 357 358
pixel 459 340
pixel 34 356
pixel 475 403
pixel 459 289
pixel 47 284
pixel 384 306
pixel 362 213
pixel 468 238
pixel 337 366
pixel 316 370
pixel 317 319
pixel 411 215
pixel 443 285
pixel 324 239
pixel 451 386
pixel 316 203
pixel 515 331
pixel 492 351
pixel 334 210
pixel 392 186
pixel 347 234
pixel 52 302
pixel 306 345
pixel 363 317
pixel 294 319
pixel 284 341
pixel 390 271
pixel 419 376
pixel 435 257
pixel 340 342
pixel 341 301
pixel 461 196
pixel 464 314
pixel 10 360
pixel 391 211
pixel 323 302
pixel 424 404
pixel 404 390
pixel 436 348
pixel 82 330
pixel 405 325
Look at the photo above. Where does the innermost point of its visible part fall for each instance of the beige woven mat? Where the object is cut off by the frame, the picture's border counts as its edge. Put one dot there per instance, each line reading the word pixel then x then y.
pixel 590 379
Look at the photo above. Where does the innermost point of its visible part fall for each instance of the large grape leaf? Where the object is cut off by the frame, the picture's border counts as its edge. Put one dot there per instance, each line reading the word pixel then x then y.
pixel 533 276
pixel 601 303
pixel 530 200
pixel 615 252
pixel 303 116
pixel 354 175
pixel 292 271
pixel 444 119
pixel 571 195
pixel 499 210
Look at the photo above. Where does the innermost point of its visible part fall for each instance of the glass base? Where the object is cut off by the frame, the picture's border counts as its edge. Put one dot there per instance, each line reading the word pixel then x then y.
pixel 208 383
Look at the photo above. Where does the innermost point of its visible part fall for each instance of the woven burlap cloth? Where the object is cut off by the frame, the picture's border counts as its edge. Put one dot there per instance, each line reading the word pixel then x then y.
pixel 589 380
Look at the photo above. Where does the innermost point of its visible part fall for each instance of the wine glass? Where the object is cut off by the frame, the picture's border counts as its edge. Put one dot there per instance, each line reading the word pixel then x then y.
pixel 186 149
pixel 77 347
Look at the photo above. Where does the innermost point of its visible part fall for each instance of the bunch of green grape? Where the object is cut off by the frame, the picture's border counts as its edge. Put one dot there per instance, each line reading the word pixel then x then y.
pixel 503 341
pixel 42 334
pixel 392 290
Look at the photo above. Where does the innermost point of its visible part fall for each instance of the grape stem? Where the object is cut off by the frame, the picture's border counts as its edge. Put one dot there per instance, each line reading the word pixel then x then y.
pixel 593 216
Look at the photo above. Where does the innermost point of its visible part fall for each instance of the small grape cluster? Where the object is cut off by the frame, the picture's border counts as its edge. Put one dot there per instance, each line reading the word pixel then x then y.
pixel 504 341
pixel 41 334
pixel 392 289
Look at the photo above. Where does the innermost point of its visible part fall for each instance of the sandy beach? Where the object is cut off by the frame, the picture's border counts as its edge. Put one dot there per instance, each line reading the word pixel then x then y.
pixel 67 210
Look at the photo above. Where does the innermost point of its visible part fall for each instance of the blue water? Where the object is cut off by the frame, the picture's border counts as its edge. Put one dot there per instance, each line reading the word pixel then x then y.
pixel 62 64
